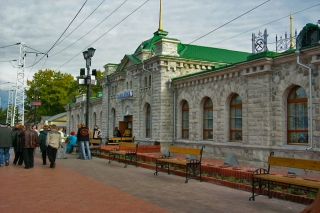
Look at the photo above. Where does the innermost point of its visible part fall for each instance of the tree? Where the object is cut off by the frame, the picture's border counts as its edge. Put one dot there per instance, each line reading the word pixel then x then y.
pixel 3 115
pixel 55 90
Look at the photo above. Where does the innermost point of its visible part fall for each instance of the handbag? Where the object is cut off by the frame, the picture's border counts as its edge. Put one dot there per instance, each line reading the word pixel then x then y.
pixel 66 141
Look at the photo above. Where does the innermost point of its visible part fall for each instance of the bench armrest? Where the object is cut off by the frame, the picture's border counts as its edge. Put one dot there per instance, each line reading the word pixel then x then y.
pixel 260 171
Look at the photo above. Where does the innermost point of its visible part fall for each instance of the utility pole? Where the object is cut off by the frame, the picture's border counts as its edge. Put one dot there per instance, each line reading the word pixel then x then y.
pixel 19 96
pixel 10 118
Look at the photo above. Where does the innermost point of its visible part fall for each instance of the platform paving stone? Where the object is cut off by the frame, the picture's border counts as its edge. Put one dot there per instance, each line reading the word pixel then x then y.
pixel 96 186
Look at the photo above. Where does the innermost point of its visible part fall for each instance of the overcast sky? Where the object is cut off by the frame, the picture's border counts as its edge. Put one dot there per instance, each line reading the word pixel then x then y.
pixel 40 23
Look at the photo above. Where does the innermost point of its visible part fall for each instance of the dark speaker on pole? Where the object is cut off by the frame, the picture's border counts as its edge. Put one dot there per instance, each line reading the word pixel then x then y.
pixel 82 71
pixel 94 72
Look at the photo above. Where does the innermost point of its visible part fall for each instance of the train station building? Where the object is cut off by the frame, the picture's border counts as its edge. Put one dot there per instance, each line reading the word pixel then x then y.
pixel 247 104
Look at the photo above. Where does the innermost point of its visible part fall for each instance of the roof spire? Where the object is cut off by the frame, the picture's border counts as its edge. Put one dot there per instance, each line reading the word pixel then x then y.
pixel 291 33
pixel 160 17
pixel 160 31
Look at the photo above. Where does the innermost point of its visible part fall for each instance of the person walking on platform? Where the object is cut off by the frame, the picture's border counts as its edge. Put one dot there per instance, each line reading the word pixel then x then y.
pixel 53 144
pixel 5 144
pixel 83 140
pixel 18 154
pixel 29 141
pixel 63 149
pixel 43 146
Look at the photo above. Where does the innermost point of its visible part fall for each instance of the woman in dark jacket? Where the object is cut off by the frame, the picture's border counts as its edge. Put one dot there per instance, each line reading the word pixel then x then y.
pixel 18 154
pixel 42 141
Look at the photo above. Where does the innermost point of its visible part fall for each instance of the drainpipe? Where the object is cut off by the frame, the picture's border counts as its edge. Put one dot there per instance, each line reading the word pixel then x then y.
pixel 310 98
pixel 174 109
pixel 108 108
pixel 151 96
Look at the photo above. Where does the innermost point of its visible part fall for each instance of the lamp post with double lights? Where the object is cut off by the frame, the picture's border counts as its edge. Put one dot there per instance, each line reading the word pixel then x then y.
pixel 87 79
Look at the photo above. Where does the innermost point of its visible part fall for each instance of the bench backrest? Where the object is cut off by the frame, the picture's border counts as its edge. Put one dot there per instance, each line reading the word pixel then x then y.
pixel 294 163
pixel 128 145
pixel 187 151
pixel 184 150
pixel 115 139
pixel 131 139
pixel 95 141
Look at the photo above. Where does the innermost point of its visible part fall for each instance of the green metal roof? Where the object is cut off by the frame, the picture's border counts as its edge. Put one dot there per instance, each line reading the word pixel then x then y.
pixel 134 59
pixel 211 54
pixel 149 44
pixel 195 52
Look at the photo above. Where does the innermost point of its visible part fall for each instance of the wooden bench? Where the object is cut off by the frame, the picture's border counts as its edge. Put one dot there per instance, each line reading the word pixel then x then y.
pixel 192 164
pixel 128 150
pixel 262 178
pixel 119 139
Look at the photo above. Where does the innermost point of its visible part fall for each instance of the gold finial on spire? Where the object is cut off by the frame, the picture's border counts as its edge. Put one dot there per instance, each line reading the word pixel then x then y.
pixel 291 33
pixel 160 17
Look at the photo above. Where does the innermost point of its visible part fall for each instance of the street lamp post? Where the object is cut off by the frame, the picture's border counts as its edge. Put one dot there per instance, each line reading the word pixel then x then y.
pixel 88 79
pixel 36 102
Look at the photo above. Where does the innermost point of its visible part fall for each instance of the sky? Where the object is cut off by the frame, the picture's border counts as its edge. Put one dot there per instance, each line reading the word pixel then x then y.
pixel 117 27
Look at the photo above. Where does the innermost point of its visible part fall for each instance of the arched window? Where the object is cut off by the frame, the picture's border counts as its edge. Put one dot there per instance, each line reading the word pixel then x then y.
pixel 185 120
pixel 236 118
pixel 148 121
pixel 297 116
pixel 208 119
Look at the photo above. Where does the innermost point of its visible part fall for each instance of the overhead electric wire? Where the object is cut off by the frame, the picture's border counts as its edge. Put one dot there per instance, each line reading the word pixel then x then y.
pixel 90 30
pixel 265 24
pixel 105 33
pixel 228 22
pixel 9 45
pixel 60 36
pixel 35 50
pixel 32 66
pixel 80 24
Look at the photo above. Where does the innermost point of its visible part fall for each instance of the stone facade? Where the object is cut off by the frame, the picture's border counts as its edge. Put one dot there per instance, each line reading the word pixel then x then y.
pixel 164 81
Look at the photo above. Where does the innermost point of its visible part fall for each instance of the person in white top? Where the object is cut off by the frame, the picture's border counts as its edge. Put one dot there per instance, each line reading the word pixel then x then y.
pixel 62 150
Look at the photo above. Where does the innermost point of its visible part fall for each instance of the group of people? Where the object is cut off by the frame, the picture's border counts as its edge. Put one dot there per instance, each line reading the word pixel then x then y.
pixel 53 143
pixel 24 139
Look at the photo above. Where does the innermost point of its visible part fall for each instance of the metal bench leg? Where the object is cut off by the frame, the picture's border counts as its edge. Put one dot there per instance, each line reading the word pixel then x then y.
pixel 252 197
pixel 156 173
pixel 135 158
pixel 200 173
pixel 269 195
pixel 187 167
pixel 109 158
pixel 125 161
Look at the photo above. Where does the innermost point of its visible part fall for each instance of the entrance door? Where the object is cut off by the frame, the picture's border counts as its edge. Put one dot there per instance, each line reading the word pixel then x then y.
pixel 123 125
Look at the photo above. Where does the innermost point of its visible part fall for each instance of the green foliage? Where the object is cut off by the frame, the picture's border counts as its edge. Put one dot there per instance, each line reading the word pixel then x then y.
pixel 3 115
pixel 290 190
pixel 205 174
pixel 300 192
pixel 312 195
pixel 55 90
pixel 232 179
pixel 277 188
